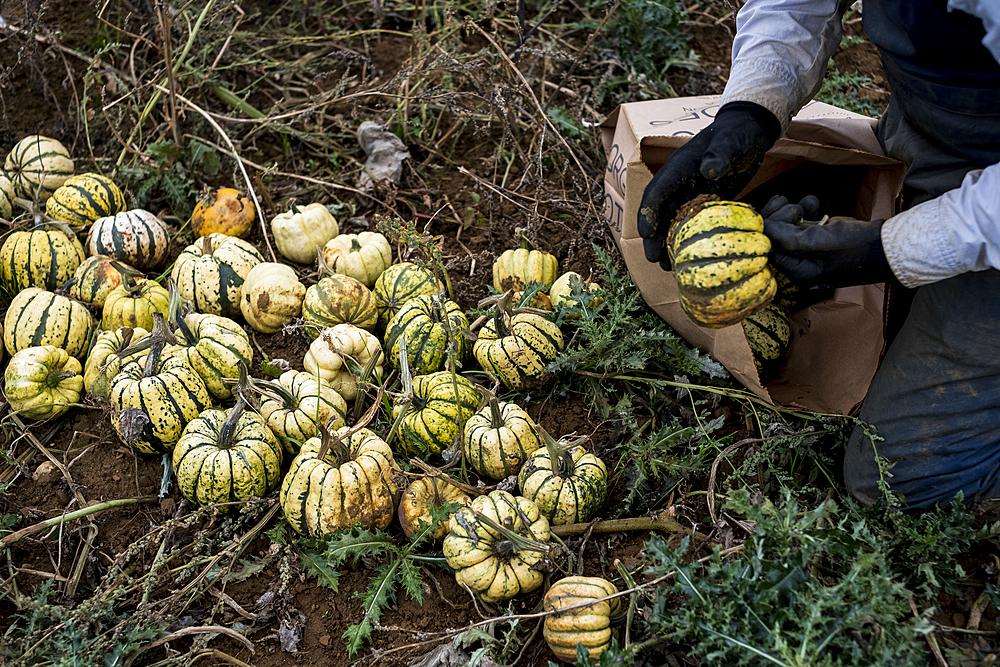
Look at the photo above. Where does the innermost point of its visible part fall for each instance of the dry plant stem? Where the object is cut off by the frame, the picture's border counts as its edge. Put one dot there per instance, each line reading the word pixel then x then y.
pixel 431 471
pixel 246 177
pixel 931 639
pixel 86 511
pixel 710 499
pixel 544 116
pixel 623 525
pixel 205 629
pixel 165 27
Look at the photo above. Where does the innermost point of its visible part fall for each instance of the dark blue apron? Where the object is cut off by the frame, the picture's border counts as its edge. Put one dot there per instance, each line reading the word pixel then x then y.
pixel 935 400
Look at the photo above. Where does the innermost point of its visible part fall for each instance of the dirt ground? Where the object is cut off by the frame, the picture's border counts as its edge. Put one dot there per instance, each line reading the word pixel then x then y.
pixel 41 96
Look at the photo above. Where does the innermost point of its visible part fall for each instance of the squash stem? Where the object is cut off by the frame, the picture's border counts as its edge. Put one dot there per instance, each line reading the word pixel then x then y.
pixel 512 541
pixel 206 246
pixel 155 342
pixel 330 441
pixel 228 428
pixel 174 310
pixel 55 378
pixel 559 457
pixel 496 414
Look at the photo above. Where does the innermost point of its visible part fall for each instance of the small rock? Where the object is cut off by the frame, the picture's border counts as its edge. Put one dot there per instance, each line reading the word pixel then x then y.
pixel 324 640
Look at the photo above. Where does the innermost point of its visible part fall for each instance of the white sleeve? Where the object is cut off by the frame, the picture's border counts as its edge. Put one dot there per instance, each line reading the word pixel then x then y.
pixel 951 234
pixel 781 51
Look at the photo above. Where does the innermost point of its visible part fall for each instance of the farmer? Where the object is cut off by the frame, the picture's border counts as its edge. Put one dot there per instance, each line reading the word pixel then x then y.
pixel 936 397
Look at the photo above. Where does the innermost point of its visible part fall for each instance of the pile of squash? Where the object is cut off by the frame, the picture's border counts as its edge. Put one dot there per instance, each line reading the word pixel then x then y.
pixel 86 318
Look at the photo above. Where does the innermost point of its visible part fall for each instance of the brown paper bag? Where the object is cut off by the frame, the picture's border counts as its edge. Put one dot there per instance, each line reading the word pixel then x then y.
pixel 835 344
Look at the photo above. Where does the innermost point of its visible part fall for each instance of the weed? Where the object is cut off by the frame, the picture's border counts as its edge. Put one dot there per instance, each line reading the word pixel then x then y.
pixel 649 39
pixel 841 90
pixel 811 588
pixel 171 176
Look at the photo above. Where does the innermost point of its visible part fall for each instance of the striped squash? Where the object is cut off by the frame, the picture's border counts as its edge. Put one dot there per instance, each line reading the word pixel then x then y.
pixel 154 398
pixel 719 256
pixel 42 382
pixel 429 327
pixel 489 562
pixel 440 407
pixel 103 362
pixel 516 349
pixel 768 332
pixel 136 237
pixel 95 278
pixel 133 303
pixel 6 196
pixel 338 354
pixel 85 198
pixel 499 438
pixel 361 256
pixel 39 317
pixel 568 483
pixel 211 273
pixel 337 300
pixel 39 258
pixel 517 268
pixel 214 346
pixel 418 499
pixel 38 166
pixel 398 284
pixel 296 403
pixel 334 484
pixel 588 625
pixel 226 457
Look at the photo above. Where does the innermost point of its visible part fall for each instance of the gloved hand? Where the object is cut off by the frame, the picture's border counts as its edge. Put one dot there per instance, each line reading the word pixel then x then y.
pixel 837 252
pixel 719 160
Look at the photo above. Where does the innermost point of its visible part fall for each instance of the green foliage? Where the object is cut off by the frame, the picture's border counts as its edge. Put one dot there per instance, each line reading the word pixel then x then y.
pixel 649 36
pixel 566 122
pixel 399 567
pixel 621 334
pixel 812 587
pixel 63 637
pixel 172 176
pixel 841 90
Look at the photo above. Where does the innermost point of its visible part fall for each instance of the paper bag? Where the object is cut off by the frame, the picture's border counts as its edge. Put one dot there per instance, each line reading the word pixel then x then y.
pixel 835 344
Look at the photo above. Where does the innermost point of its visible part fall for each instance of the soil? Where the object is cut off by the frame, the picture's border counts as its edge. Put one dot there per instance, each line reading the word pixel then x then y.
pixel 41 95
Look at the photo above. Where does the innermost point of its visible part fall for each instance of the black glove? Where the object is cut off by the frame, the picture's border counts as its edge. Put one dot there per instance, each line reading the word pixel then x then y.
pixel 837 252
pixel 719 160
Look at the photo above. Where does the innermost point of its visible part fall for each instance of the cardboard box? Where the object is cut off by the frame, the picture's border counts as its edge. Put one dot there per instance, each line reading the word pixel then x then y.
pixel 837 343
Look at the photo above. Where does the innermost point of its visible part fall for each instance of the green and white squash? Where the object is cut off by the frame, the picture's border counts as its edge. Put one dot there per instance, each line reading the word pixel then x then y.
pixel 39 317
pixel 85 198
pixel 768 332
pixel 337 300
pixel 38 166
pixel 296 404
pixel 45 258
pixel 568 483
pixel 361 256
pixel 398 284
pixel 335 483
pixel 429 326
pixel 495 544
pixel 6 196
pixel 104 363
pixel 214 346
pixel 133 303
pixel 136 237
pixel 340 353
pixel 517 268
pixel 300 232
pixel 42 382
pixel 271 296
pixel 155 396
pixel 441 405
pixel 720 262
pixel 227 457
pixel 95 278
pixel 211 273
pixel 517 348
pixel 499 439
pixel 587 625
pixel 423 494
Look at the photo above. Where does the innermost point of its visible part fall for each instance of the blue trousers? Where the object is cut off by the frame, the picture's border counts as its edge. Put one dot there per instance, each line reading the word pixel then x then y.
pixel 936 397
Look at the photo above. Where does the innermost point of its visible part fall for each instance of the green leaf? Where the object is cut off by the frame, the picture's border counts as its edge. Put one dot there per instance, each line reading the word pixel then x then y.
pixel 318 566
